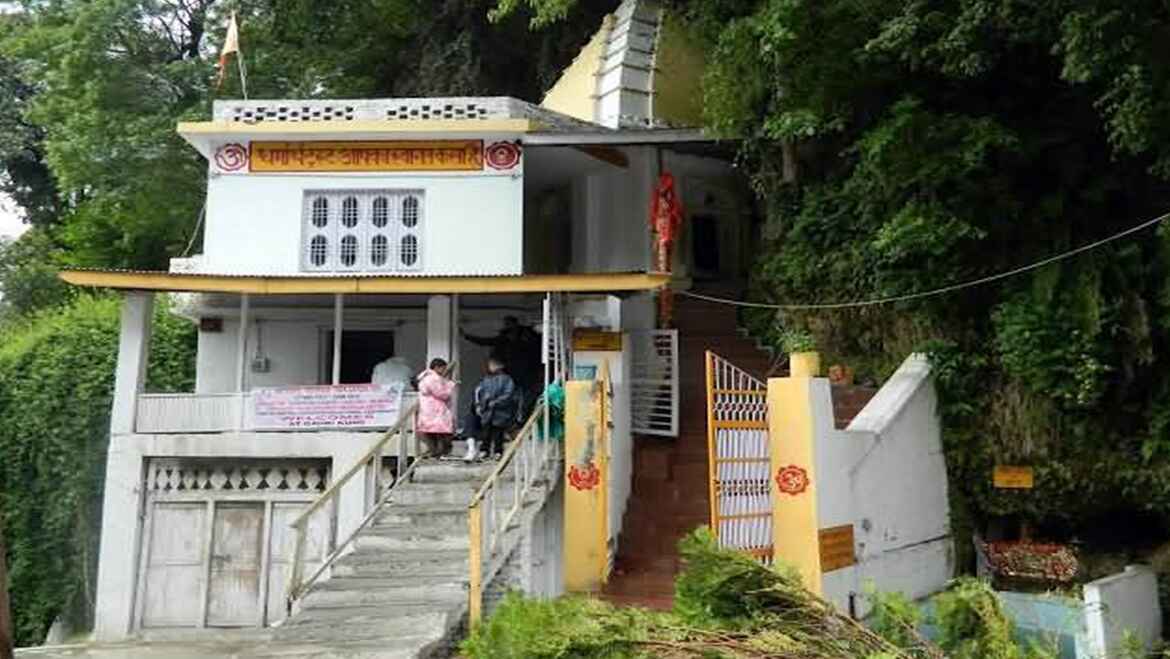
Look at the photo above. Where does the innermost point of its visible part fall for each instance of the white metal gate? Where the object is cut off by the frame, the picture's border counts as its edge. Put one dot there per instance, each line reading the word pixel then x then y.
pixel 654 382
pixel 555 353
pixel 740 458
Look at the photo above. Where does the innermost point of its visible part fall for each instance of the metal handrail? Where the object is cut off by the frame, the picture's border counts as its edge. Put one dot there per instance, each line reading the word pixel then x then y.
pixel 528 460
pixel 375 500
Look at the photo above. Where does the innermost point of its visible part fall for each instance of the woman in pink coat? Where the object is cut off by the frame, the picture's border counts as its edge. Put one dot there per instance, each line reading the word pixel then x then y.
pixel 436 421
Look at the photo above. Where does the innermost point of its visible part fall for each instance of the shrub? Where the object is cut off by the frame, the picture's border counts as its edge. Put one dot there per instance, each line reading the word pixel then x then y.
pixel 56 381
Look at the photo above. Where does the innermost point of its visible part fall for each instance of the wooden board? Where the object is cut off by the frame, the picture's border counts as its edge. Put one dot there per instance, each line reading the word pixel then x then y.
pixel 836 547
pixel 1010 477
pixel 598 340
pixel 175 565
pixel 234 588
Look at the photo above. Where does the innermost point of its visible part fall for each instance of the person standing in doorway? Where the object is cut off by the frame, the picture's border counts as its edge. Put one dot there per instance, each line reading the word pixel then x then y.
pixel 517 347
pixel 436 420
pixel 497 407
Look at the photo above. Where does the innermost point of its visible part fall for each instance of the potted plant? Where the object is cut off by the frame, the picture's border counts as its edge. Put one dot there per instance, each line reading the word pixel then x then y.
pixel 803 359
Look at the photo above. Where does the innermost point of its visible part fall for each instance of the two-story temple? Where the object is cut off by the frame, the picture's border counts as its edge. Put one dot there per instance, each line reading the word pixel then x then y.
pixel 340 234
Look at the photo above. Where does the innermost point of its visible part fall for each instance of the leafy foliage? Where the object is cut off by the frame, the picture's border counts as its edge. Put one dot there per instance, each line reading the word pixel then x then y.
pixel 903 146
pixel 729 606
pixel 56 379
pixel 28 276
pixel 87 132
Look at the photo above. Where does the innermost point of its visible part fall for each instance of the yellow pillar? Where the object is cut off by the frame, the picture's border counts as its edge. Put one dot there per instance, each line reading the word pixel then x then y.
pixel 586 531
pixel 794 477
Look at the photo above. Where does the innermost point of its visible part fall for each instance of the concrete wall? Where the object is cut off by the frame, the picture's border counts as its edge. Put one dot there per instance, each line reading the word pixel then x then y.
pixel 535 566
pixel 899 486
pixel 293 341
pixel 884 478
pixel 473 224
pixel 610 210
pixel 1122 603
pixel 123 499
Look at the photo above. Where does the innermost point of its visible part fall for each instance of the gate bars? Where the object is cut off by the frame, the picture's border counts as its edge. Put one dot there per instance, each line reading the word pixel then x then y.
pixel 739 455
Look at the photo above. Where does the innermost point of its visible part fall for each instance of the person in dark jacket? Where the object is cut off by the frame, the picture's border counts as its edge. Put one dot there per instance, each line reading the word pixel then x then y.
pixel 517 347
pixel 496 407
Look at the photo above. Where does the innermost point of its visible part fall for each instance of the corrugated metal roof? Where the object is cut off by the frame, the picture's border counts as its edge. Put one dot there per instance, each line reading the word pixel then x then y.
pixel 361 282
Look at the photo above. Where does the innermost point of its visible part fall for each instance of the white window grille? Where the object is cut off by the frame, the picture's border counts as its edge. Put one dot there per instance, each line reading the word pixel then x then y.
pixel 358 230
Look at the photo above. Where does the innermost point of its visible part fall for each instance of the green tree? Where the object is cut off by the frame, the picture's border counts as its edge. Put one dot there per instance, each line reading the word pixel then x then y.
pixel 87 132
pixel 902 146
pixel 28 276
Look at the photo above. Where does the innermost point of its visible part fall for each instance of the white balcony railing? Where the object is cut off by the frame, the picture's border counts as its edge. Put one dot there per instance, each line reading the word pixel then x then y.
pixel 210 413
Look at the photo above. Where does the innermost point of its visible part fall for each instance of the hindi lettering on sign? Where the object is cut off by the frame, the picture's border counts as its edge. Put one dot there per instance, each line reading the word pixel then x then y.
pixel 397 156
pixel 352 406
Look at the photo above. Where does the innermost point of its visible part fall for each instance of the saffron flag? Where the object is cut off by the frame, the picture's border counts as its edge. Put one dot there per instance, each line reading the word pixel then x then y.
pixel 231 44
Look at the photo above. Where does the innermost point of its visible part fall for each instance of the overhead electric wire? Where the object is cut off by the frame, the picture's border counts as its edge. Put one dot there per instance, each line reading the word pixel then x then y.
pixel 936 291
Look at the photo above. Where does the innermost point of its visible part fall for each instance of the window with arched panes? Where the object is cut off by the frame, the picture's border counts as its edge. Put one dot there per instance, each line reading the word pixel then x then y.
pixel 363 230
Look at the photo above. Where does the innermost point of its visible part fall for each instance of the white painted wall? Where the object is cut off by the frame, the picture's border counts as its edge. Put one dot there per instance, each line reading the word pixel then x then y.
pixel 125 470
pixel 611 212
pixel 886 475
pixel 473 224
pixel 1121 603
pixel 294 347
pixel 547 550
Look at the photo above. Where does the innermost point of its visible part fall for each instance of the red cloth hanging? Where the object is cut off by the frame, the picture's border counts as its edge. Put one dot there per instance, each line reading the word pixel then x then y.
pixel 665 210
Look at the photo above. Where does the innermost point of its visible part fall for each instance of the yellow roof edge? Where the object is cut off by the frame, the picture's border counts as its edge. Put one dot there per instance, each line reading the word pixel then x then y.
pixel 207 128
pixel 203 283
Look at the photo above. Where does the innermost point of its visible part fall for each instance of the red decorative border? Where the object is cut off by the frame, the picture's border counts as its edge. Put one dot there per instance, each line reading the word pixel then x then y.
pixel 502 155
pixel 792 480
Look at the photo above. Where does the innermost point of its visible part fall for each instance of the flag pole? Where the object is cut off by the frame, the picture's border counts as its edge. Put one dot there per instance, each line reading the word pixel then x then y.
pixel 243 74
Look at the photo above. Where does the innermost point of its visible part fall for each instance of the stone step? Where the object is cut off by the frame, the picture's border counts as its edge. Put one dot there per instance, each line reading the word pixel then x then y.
pixel 396 648
pixel 403 559
pixel 437 523
pixel 413 494
pixel 371 578
pixel 416 513
pixel 452 471
pixel 394 539
pixel 349 593
pixel 369 622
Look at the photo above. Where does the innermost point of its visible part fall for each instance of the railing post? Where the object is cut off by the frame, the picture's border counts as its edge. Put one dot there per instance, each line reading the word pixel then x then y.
pixel 475 586
pixel 298 566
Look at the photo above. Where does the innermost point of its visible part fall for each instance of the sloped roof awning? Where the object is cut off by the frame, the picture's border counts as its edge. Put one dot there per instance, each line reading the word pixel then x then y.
pixel 292 284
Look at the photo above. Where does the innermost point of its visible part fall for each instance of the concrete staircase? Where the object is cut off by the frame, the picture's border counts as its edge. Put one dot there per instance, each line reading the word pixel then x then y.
pixel 670 496
pixel 670 493
pixel 402 592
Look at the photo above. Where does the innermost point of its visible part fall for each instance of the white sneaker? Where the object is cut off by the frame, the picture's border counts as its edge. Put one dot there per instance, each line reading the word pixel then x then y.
pixel 471 454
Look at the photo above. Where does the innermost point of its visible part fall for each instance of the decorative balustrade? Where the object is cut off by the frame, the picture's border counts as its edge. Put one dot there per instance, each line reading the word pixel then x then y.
pixel 527 464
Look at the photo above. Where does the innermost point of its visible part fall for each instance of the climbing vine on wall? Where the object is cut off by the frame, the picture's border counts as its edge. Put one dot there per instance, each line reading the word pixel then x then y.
pixel 56 382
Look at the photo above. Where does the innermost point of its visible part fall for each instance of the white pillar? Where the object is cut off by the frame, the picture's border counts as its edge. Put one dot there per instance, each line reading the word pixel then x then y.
pixel 338 313
pixel 242 341
pixel 133 350
pixel 118 550
pixel 122 495
pixel 440 328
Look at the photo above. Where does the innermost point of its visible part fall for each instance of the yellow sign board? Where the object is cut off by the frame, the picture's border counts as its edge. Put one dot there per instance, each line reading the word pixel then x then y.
pixel 585 339
pixel 382 156
pixel 836 547
pixel 1013 477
